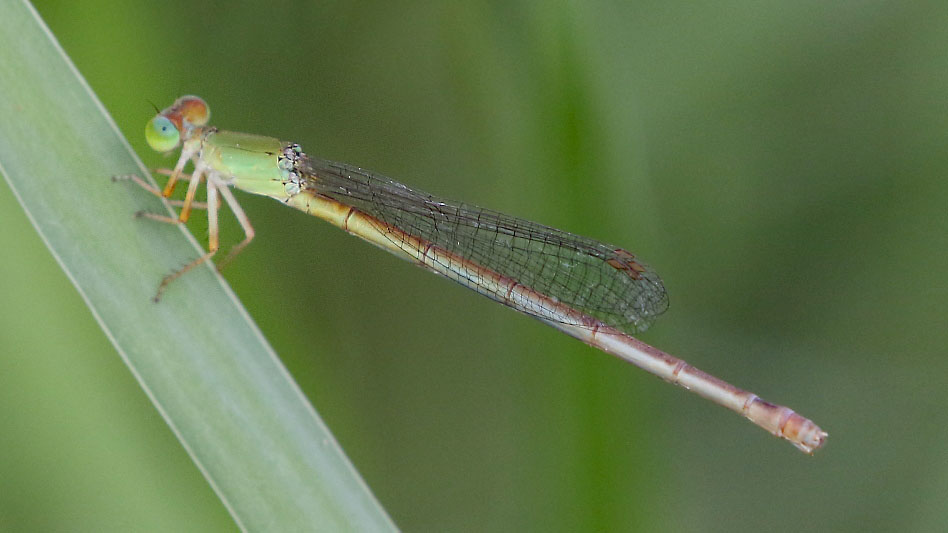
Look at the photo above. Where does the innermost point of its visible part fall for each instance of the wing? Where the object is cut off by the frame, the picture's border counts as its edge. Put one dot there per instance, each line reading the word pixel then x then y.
pixel 598 280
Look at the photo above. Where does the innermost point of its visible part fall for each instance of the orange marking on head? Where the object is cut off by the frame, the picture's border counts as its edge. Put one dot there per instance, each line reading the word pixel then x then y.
pixel 175 119
pixel 193 109
pixel 187 110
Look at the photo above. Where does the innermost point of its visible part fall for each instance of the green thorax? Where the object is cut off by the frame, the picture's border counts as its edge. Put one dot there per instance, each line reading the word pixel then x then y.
pixel 250 162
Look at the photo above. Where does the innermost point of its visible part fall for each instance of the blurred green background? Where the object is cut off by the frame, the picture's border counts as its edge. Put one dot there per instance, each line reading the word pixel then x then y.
pixel 781 164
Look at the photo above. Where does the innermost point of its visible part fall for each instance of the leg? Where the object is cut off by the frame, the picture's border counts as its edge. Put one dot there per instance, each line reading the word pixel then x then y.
pixel 238 213
pixel 195 179
pixel 183 160
pixel 212 242
pixel 189 197
pixel 157 192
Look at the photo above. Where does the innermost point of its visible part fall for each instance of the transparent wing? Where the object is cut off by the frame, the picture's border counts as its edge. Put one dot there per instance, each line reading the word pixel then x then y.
pixel 598 280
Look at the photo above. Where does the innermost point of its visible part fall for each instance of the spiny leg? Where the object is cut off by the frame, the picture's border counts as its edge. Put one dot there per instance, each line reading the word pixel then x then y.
pixel 212 242
pixel 213 183
pixel 185 213
pixel 155 190
pixel 170 172
pixel 178 168
pixel 189 196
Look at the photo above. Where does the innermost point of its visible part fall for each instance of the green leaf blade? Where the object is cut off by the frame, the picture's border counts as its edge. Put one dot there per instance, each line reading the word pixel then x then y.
pixel 197 354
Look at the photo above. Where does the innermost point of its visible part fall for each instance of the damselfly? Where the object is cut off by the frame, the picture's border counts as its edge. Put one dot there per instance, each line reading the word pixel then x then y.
pixel 593 291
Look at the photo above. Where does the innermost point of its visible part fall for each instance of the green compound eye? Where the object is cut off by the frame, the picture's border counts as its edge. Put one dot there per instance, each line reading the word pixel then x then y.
pixel 161 134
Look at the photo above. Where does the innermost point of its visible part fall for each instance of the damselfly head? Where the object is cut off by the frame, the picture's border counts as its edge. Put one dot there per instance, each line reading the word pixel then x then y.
pixel 164 132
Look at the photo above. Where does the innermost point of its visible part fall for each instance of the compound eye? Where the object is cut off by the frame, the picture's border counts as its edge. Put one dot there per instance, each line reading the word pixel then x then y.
pixel 161 134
